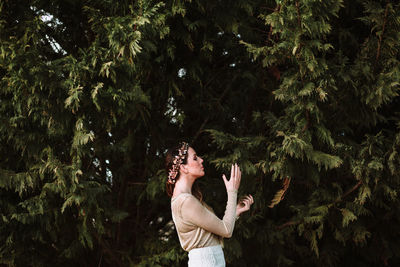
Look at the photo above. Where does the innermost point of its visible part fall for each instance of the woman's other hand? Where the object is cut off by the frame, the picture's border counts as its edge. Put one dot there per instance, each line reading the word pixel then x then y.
pixel 244 204
pixel 234 182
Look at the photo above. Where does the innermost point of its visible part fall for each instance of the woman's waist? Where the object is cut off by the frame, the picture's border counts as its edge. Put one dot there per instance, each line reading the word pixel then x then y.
pixel 217 249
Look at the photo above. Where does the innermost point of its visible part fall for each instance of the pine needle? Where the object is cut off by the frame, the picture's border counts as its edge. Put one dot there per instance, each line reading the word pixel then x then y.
pixel 279 196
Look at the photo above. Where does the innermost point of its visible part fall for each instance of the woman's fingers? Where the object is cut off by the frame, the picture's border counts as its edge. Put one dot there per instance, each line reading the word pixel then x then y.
pixel 224 178
pixel 234 181
pixel 236 171
pixel 249 199
pixel 246 204
pixel 236 175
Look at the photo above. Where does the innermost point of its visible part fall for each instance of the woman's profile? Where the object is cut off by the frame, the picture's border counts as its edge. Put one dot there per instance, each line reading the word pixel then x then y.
pixel 199 230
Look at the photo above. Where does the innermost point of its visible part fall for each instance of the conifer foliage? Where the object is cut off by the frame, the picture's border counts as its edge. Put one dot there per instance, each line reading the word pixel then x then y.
pixel 304 95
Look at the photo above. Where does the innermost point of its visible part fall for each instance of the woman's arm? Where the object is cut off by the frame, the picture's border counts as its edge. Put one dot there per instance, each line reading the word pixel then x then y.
pixel 194 212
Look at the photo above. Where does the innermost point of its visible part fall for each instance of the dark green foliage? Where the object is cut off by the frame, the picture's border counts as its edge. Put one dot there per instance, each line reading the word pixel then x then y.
pixel 93 92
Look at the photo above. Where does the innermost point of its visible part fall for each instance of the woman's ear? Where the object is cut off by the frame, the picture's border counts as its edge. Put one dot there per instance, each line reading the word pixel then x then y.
pixel 183 168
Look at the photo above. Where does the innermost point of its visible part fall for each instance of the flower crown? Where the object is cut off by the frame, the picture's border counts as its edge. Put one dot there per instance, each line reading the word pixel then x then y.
pixel 173 172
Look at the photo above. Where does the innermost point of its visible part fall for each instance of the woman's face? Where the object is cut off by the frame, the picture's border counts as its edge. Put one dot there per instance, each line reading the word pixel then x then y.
pixel 194 164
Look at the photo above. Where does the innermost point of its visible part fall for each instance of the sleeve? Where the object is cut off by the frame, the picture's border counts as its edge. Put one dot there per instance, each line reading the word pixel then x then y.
pixel 194 212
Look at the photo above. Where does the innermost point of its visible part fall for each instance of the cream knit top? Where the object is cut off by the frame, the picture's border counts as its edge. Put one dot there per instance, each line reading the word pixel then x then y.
pixel 197 225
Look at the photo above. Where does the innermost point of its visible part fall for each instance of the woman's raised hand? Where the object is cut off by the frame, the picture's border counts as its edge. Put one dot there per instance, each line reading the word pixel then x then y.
pixel 234 181
pixel 244 204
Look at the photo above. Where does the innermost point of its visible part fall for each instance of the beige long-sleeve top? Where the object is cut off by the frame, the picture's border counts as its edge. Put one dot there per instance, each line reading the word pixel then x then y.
pixel 198 226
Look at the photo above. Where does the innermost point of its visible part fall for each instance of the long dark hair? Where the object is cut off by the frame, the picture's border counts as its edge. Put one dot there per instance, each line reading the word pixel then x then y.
pixel 169 161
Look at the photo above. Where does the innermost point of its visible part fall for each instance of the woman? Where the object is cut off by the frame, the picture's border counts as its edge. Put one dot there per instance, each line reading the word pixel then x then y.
pixel 200 231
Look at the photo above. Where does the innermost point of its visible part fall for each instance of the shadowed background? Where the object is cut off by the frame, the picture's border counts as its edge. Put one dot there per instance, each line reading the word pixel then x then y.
pixel 93 92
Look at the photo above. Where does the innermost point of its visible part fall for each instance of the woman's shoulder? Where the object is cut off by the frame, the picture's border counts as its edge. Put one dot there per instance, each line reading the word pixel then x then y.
pixel 180 198
pixel 180 195
pixel 185 199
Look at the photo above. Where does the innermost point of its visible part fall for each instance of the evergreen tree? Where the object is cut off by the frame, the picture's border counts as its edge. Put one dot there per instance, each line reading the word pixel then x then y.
pixel 93 92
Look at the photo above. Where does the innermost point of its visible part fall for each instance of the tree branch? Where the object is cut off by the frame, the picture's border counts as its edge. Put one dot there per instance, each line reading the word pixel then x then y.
pixel 378 52
pixel 277 9
pixel 286 224
pixel 108 251
pixel 339 199
pixel 208 117
pixel 298 13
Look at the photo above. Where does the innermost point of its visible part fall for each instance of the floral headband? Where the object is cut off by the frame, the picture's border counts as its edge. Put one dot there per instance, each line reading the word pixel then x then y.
pixel 173 172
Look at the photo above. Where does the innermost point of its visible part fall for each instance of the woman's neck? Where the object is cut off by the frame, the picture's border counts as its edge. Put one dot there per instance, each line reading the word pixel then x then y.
pixel 183 185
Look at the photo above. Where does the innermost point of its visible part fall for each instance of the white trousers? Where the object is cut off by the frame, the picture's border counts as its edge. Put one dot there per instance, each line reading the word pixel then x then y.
pixel 207 257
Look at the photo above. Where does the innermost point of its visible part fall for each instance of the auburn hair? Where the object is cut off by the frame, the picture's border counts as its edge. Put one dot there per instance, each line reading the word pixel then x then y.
pixel 169 161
